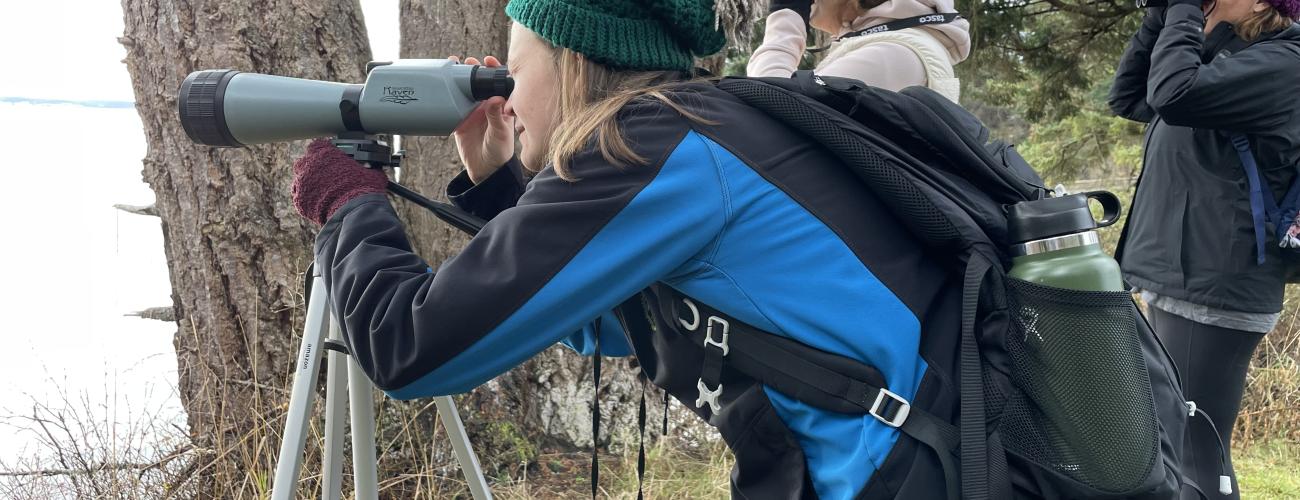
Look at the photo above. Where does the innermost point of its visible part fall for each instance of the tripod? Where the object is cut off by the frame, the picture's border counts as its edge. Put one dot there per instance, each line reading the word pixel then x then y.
pixel 322 333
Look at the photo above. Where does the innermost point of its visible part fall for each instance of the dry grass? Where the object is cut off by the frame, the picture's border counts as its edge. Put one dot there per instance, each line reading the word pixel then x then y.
pixel 88 456
pixel 674 470
pixel 84 451
pixel 101 448
pixel 1271 406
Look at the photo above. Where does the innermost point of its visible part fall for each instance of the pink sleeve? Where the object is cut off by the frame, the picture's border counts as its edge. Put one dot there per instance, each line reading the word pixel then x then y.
pixel 784 40
pixel 885 65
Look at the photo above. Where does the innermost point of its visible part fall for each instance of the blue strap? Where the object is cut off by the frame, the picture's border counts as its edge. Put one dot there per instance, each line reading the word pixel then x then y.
pixel 1261 200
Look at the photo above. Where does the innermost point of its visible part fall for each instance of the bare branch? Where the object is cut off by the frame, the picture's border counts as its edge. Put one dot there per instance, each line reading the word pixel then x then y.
pixel 103 467
pixel 165 313
pixel 149 209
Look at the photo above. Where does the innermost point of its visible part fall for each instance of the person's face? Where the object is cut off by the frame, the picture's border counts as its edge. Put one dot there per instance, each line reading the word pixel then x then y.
pixel 1230 11
pixel 535 99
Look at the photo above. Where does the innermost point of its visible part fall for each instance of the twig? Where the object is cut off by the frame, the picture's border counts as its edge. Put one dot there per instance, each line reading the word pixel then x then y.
pixel 165 313
pixel 149 209
pixel 103 467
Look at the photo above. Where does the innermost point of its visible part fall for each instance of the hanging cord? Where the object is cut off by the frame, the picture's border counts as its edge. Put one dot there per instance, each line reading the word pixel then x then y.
pixel 665 431
pixel 1225 476
pixel 640 456
pixel 595 415
pixel 896 25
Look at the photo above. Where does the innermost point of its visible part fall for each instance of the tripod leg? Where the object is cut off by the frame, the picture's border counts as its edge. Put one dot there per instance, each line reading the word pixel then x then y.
pixel 335 404
pixel 361 403
pixel 464 453
pixel 304 389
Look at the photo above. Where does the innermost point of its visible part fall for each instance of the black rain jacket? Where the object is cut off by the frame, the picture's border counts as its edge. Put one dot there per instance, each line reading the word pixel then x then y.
pixel 1190 234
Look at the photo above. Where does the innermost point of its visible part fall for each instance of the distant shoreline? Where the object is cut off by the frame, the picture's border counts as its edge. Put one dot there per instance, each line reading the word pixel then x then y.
pixel 87 104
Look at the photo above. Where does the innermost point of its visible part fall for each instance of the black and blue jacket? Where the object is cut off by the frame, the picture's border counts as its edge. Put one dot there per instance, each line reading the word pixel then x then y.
pixel 745 215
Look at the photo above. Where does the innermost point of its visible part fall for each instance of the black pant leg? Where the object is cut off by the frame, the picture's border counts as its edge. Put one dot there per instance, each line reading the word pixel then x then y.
pixel 1213 363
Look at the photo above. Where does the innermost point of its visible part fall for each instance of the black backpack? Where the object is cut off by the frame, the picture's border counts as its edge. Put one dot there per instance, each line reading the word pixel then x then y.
pixel 1059 393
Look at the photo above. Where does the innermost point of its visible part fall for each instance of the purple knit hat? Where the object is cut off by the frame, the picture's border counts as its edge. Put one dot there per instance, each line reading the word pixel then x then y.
pixel 1288 8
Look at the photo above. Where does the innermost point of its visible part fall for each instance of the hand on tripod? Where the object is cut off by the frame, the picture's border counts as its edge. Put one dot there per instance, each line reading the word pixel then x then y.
pixel 326 178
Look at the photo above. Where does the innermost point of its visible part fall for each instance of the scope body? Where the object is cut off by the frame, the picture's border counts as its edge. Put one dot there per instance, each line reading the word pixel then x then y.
pixel 405 97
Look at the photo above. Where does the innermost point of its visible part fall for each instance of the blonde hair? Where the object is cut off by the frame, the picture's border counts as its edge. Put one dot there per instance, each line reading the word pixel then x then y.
pixel 1266 21
pixel 590 98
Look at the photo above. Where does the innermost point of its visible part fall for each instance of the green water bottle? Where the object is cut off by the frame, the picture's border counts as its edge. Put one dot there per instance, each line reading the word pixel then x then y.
pixel 1054 242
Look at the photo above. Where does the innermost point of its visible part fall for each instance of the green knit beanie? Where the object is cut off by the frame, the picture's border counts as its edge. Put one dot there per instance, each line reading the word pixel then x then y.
pixel 626 34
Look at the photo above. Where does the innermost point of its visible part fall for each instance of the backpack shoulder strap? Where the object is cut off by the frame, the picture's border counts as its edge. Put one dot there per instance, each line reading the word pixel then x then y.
pixel 831 129
pixel 1261 198
pixel 910 196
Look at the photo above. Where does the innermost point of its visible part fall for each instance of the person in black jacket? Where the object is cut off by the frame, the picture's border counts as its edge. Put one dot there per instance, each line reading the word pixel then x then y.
pixel 1200 74
pixel 643 177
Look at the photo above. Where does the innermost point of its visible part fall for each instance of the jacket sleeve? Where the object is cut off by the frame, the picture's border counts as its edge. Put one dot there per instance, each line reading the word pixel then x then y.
pixel 567 253
pixel 1128 94
pixel 502 190
pixel 784 39
pixel 499 191
pixel 1238 93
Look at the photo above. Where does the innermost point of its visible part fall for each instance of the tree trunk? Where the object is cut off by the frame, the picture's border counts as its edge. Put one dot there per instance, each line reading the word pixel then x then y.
pixel 547 400
pixel 235 247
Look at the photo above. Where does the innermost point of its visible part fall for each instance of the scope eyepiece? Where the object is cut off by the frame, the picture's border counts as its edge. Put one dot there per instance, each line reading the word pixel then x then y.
pixel 485 82
pixel 202 107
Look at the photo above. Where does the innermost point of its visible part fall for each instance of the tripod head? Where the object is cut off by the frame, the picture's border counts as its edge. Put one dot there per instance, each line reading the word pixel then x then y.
pixel 368 149
pixel 376 153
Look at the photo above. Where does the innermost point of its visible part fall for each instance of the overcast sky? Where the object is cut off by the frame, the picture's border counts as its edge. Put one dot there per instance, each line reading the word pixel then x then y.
pixel 92 263
pixel 67 49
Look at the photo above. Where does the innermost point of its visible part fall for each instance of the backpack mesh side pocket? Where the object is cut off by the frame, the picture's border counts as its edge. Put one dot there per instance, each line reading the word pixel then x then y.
pixel 1082 405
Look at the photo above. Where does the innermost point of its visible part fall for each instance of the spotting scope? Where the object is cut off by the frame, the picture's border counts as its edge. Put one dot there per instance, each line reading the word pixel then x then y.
pixel 405 97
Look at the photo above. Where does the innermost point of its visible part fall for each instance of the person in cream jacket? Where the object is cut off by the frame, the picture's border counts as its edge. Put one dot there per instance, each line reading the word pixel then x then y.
pixel 892 60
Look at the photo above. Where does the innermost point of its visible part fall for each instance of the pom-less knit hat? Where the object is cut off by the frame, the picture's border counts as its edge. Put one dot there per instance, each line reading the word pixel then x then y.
pixel 626 34
pixel 1288 8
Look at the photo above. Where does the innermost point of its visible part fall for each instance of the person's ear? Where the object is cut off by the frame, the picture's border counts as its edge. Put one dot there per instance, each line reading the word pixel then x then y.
pixel 1260 6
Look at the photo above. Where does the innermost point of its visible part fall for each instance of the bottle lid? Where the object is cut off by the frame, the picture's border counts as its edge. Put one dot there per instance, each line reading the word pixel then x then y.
pixel 1050 217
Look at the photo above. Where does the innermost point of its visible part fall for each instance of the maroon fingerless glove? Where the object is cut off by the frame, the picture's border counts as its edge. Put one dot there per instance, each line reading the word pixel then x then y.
pixel 326 178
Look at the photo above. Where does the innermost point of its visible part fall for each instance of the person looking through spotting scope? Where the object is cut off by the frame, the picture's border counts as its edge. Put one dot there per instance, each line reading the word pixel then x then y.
pixel 644 175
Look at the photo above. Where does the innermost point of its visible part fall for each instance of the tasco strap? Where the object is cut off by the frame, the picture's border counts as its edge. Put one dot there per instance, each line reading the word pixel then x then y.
pixel 900 24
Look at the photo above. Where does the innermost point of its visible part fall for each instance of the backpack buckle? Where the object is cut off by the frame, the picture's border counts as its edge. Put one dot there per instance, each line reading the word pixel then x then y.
pixel 726 335
pixel 878 407
pixel 708 396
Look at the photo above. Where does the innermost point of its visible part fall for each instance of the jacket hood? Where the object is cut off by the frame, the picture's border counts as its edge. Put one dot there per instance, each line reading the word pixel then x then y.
pixel 954 36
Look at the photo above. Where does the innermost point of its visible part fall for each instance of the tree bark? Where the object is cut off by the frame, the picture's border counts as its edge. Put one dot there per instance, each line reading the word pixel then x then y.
pixel 547 400
pixel 236 250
